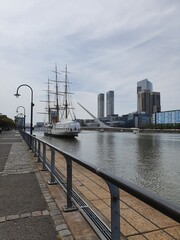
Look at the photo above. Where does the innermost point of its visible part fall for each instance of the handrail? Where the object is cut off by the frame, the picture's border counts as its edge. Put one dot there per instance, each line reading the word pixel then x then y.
pixel 114 183
pixel 153 200
pixel 169 209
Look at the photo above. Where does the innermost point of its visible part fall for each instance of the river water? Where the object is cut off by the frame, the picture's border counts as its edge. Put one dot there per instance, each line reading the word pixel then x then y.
pixel 151 161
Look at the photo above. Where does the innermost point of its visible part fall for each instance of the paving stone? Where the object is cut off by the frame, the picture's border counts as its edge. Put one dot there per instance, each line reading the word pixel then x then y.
pixel 2 219
pixel 55 212
pixel 56 217
pixel 61 227
pixel 18 196
pixel 70 237
pixel 12 217
pixel 45 212
pixel 64 233
pixel 25 215
pixel 36 213
pixel 49 200
pixel 40 228
pixel 59 221
pixel 52 205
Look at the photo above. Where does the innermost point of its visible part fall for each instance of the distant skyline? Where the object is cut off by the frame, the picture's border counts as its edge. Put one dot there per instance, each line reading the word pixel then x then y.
pixel 107 45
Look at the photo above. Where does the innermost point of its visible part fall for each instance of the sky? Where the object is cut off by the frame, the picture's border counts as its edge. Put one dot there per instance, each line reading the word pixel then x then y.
pixel 107 45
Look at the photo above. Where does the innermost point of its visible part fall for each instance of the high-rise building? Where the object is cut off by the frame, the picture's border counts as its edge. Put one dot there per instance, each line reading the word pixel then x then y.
pixel 101 105
pixel 155 102
pixel 109 103
pixel 147 100
pixel 144 85
pixel 144 101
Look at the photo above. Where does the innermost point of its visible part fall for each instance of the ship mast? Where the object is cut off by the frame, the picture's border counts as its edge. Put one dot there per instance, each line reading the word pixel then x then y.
pixel 66 107
pixel 49 107
pixel 57 106
pixel 57 100
pixel 66 103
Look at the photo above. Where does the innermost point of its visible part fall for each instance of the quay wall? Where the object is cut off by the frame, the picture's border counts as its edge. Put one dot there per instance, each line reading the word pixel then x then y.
pixel 117 129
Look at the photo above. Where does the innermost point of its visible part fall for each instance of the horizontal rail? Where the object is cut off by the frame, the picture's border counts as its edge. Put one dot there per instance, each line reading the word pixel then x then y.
pixel 169 209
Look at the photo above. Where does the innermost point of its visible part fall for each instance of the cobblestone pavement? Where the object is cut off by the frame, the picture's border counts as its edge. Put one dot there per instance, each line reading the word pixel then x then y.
pixel 27 208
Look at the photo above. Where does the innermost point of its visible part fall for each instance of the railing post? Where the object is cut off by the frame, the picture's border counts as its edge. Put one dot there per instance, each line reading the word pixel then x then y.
pixel 28 140
pixel 35 148
pixel 115 211
pixel 52 180
pixel 69 207
pixel 32 144
pixel 44 158
pixel 39 151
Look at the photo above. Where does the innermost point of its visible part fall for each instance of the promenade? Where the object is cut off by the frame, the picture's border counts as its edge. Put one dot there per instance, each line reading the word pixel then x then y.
pixel 32 209
pixel 27 208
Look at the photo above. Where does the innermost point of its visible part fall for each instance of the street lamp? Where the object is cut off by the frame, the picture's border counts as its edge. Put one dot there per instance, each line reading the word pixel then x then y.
pixel 24 115
pixel 32 104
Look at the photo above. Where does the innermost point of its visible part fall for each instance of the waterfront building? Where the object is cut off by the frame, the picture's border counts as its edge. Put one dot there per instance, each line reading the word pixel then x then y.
pixel 167 117
pixel 109 103
pixel 101 105
pixel 155 102
pixel 144 102
pixel 144 85
pixel 147 100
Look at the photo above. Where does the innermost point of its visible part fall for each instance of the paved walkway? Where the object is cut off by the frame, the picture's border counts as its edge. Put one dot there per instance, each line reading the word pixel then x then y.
pixel 27 209
pixel 31 209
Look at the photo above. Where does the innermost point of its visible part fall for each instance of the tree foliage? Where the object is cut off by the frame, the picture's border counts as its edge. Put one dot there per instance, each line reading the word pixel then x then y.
pixel 6 123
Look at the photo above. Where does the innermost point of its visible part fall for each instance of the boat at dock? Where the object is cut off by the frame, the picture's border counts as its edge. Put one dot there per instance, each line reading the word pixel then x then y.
pixel 62 122
pixel 135 130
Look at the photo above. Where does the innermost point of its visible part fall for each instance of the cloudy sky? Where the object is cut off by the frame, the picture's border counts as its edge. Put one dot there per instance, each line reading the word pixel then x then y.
pixel 107 45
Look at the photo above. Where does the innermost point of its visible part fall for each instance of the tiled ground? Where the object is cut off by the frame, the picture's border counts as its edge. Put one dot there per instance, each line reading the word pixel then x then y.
pixel 138 220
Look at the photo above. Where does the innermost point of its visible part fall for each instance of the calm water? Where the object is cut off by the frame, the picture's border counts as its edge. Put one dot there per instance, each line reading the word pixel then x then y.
pixel 151 161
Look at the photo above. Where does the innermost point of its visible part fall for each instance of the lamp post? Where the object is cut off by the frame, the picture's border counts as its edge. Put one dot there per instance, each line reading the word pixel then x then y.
pixel 32 104
pixel 24 115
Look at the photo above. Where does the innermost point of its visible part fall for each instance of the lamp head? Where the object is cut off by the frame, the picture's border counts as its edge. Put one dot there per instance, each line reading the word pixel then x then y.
pixel 17 95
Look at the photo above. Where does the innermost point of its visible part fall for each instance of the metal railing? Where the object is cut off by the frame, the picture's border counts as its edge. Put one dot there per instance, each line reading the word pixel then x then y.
pixel 114 183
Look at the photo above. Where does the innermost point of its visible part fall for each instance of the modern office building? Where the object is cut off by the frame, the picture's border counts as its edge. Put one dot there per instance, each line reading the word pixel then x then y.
pixel 155 102
pixel 109 103
pixel 167 117
pixel 144 99
pixel 144 85
pixel 100 105
pixel 147 100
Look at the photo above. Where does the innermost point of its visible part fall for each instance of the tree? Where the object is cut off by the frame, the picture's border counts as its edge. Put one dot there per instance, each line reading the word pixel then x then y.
pixel 6 123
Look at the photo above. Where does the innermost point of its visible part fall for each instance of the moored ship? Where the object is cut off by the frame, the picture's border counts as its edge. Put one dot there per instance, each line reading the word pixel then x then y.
pixel 61 118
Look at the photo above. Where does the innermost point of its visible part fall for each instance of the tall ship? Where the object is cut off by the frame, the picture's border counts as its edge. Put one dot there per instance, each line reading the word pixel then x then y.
pixel 62 122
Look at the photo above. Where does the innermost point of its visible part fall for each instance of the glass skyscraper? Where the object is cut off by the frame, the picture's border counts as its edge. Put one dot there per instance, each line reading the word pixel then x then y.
pixel 109 103
pixel 101 105
pixel 147 100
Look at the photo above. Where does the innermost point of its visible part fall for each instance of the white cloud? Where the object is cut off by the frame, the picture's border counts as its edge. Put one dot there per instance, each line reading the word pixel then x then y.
pixel 108 45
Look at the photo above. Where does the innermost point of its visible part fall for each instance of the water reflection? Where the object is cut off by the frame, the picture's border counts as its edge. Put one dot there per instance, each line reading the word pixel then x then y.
pixel 148 160
pixel 149 169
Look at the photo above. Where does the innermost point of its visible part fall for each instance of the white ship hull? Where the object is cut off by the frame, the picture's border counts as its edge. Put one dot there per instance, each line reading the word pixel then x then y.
pixel 63 129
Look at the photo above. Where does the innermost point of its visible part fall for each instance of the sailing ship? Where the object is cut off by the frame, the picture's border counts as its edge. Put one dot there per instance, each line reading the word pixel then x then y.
pixel 61 118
